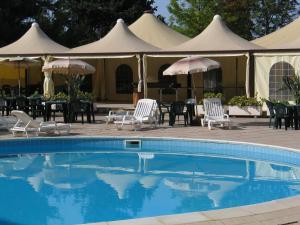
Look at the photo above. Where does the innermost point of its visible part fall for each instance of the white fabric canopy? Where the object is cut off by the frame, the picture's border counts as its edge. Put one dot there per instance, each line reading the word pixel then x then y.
pixel 119 40
pixel 281 37
pixel 217 37
pixel 150 29
pixel 33 42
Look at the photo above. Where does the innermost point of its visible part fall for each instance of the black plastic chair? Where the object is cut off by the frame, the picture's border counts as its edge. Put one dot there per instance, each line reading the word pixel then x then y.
pixel 281 112
pixel 178 109
pixel 22 103
pixel 3 106
pixel 36 107
pixel 270 106
pixel 79 107
pixel 163 110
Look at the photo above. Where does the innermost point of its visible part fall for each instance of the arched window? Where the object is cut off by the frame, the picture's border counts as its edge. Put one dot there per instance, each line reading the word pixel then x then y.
pixel 166 82
pixel 124 79
pixel 212 81
pixel 277 72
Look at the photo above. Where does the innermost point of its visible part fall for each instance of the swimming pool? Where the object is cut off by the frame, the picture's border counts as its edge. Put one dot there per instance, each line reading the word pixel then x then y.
pixel 83 180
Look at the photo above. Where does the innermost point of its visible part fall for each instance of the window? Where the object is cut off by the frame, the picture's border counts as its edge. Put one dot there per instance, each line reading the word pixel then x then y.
pixel 277 73
pixel 124 79
pixel 212 81
pixel 166 82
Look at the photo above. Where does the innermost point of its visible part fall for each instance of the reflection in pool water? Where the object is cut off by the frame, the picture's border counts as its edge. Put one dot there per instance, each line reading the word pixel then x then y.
pixel 72 188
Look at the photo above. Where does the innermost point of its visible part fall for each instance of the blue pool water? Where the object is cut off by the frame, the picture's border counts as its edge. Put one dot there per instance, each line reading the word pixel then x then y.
pixel 73 181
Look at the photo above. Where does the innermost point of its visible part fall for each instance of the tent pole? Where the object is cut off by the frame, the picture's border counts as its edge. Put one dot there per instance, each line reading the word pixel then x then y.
pixel 236 75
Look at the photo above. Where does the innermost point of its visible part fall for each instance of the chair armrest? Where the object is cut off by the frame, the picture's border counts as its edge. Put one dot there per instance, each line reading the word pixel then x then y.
pixel 226 116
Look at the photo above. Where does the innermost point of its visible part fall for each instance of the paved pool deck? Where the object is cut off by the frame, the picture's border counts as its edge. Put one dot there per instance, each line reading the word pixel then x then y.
pixel 254 130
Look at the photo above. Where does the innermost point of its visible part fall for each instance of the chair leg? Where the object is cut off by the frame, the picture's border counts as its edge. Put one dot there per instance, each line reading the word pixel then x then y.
pixel 210 125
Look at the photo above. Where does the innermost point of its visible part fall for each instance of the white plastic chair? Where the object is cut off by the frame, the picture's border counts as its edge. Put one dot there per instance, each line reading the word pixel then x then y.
pixel 214 113
pixel 26 124
pixel 144 113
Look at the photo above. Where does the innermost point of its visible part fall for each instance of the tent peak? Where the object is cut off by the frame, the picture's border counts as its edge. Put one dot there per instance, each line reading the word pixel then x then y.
pixel 120 20
pixel 149 11
pixel 35 24
pixel 217 17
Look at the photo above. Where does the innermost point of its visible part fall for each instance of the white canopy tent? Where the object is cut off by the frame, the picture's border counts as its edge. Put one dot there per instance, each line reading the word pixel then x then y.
pixel 33 43
pixel 217 40
pixel 120 42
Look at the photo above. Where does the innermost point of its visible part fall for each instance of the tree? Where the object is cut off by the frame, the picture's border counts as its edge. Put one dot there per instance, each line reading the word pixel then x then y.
pixel 69 22
pixel 15 16
pixel 190 17
pixel 247 18
pixel 77 22
pixel 269 15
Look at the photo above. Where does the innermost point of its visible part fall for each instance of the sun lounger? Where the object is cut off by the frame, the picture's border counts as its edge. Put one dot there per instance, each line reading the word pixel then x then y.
pixel 26 124
pixel 214 113
pixel 144 113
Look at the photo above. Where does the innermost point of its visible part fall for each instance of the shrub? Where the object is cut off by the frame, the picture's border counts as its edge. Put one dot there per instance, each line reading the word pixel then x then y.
pixel 242 101
pixel 211 95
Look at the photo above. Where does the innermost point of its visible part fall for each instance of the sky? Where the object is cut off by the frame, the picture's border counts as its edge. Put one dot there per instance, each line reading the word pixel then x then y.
pixel 162 8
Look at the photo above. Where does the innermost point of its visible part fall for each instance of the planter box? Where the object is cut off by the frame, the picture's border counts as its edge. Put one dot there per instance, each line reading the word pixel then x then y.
pixel 245 111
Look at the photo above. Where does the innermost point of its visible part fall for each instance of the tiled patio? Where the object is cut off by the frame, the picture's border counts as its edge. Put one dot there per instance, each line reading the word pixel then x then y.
pixel 256 130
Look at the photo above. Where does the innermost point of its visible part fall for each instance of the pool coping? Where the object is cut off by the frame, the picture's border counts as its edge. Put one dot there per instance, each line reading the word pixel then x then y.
pixel 254 210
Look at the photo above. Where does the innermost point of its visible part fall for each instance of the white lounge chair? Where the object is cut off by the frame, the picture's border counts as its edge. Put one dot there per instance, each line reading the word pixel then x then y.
pixel 115 115
pixel 214 113
pixel 26 124
pixel 144 113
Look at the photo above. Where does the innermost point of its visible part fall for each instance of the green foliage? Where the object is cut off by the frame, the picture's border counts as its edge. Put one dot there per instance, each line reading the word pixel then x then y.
pixel 35 94
pixel 247 18
pixel 60 96
pixel 269 15
pixel 292 83
pixel 211 95
pixel 85 96
pixel 275 101
pixel 242 101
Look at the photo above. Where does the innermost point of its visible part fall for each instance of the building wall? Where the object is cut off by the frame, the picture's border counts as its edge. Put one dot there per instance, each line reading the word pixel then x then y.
pixel 104 79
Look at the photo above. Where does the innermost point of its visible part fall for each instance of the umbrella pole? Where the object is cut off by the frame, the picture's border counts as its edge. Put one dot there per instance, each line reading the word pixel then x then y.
pixel 19 70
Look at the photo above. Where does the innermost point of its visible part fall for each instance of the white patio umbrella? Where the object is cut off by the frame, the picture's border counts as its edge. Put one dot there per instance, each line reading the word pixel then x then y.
pixel 69 67
pixel 191 65
pixel 19 62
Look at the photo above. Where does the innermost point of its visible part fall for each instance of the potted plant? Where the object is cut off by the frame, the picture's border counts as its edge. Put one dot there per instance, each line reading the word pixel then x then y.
pixel 244 106
pixel 292 83
pixel 199 109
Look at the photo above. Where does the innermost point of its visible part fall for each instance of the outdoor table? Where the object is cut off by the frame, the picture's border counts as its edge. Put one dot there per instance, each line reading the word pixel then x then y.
pixel 63 103
pixel 293 114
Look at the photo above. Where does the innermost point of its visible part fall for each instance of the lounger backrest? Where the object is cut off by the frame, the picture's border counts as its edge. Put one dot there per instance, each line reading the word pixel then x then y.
pixel 213 108
pixel 22 116
pixel 145 107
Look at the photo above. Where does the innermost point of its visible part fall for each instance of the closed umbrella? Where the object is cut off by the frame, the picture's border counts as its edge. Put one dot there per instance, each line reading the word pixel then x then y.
pixel 19 62
pixel 48 82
